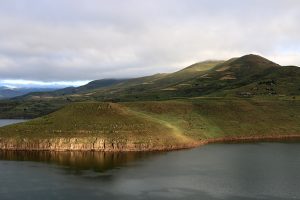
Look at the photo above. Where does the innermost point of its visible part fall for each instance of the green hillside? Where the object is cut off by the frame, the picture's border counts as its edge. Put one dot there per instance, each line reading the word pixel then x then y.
pixel 110 121
pixel 249 76
pixel 164 124
pixel 203 118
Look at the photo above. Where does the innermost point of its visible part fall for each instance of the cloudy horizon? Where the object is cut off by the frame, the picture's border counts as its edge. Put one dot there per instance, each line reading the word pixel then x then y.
pixel 69 42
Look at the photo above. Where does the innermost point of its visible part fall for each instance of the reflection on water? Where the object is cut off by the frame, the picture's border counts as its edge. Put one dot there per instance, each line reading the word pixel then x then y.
pixel 77 160
pixel 264 171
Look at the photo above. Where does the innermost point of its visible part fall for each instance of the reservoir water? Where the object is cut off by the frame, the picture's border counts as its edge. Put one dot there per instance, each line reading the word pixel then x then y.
pixel 212 172
pixel 4 122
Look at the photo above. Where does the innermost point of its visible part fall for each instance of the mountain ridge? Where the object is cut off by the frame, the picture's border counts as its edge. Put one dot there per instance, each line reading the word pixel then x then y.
pixel 242 77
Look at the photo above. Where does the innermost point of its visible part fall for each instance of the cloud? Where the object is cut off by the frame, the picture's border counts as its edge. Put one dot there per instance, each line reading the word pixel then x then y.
pixel 70 40
pixel 40 84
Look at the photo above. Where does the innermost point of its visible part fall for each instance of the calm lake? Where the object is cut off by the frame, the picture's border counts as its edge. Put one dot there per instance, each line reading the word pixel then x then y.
pixel 4 122
pixel 219 171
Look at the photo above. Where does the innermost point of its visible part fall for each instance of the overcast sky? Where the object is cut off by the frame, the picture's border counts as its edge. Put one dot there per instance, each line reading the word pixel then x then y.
pixel 74 40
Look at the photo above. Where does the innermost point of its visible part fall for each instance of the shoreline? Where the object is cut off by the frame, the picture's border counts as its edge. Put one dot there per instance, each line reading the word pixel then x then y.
pixel 101 145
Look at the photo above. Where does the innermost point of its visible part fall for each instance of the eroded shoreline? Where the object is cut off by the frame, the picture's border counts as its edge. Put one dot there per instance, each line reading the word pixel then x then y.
pixel 102 145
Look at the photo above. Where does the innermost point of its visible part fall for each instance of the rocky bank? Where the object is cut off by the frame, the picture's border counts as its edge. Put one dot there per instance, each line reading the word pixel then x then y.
pixel 99 144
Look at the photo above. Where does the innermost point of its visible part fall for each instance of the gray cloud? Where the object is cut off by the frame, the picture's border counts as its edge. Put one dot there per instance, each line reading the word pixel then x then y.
pixel 70 40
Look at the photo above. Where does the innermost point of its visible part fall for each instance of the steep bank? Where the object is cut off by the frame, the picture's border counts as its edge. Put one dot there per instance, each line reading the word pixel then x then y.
pixel 151 126
pixel 97 144
pixel 88 144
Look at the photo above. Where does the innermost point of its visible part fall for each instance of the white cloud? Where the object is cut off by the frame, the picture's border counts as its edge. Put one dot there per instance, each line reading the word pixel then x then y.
pixel 40 84
pixel 69 40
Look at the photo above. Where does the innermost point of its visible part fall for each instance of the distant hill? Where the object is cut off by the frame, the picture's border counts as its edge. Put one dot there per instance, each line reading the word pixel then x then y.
pixel 102 83
pixel 243 77
pixel 249 75
pixel 6 92
pixel 114 89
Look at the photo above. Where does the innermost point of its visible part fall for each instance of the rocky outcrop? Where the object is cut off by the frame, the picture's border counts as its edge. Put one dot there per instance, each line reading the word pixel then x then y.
pixel 85 144
pixel 100 144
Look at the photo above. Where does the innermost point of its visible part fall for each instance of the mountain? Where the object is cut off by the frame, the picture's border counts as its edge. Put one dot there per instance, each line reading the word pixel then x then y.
pixel 88 87
pixel 114 89
pixel 243 77
pixel 7 92
pixel 249 75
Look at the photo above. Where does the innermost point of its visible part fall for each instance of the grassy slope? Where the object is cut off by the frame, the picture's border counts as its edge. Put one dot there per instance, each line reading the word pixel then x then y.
pixel 247 76
pixel 154 87
pixel 105 120
pixel 218 117
pixel 166 122
pixel 282 81
pixel 39 104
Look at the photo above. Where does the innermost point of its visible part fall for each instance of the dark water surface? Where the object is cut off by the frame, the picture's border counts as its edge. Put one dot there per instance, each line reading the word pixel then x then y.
pixel 219 171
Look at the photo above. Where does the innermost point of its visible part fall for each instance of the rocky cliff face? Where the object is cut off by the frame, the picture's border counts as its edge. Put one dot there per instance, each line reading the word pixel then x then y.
pixel 105 145
pixel 85 144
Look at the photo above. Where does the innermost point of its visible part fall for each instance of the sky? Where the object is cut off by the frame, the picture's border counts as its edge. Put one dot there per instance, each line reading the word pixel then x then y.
pixel 69 42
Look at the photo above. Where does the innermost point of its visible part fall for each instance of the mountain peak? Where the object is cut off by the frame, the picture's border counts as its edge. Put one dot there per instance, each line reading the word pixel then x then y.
pixel 252 59
pixel 252 56
pixel 246 66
